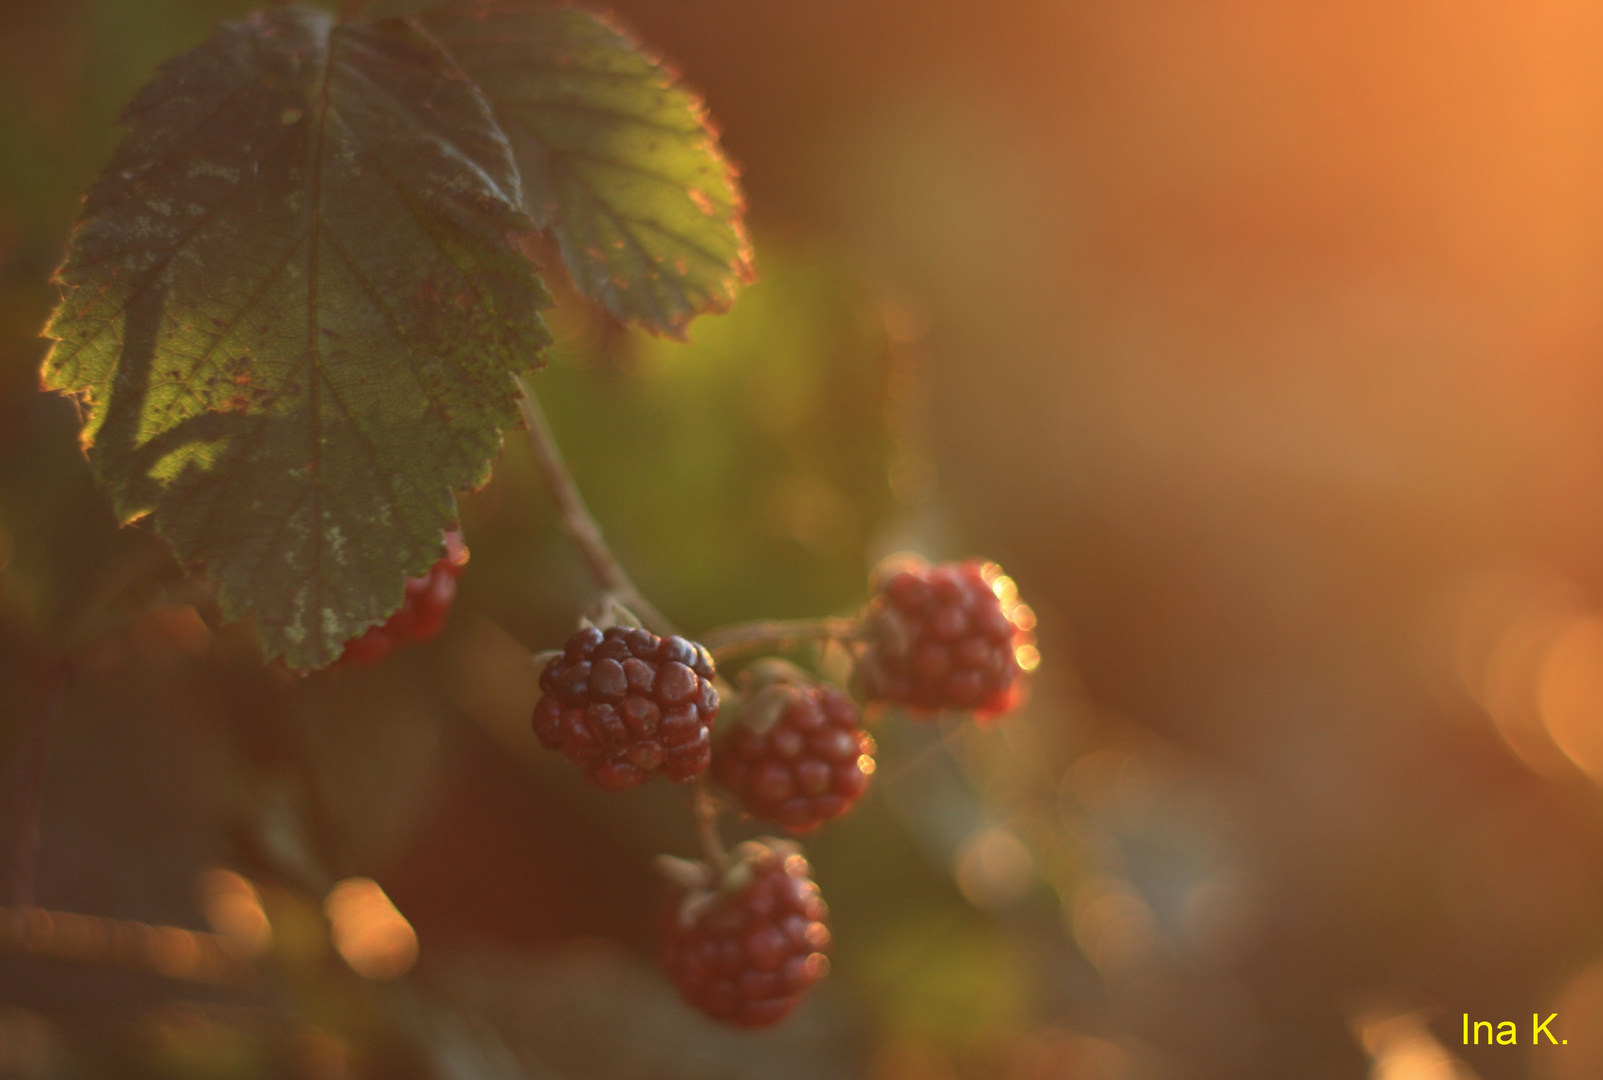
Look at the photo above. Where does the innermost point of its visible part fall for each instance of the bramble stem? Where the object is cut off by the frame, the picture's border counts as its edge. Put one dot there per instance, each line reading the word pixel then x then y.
pixel 738 639
pixel 577 521
pixel 28 797
pixel 705 809
pixel 614 581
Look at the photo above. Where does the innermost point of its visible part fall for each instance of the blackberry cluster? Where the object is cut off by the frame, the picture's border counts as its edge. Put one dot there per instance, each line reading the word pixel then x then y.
pixel 942 639
pixel 421 615
pixel 744 949
pixel 798 755
pixel 625 705
pixel 743 942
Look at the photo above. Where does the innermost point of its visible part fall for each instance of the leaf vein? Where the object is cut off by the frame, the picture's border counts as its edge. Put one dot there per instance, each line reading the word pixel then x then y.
pixel 400 333
pixel 200 361
pixel 155 272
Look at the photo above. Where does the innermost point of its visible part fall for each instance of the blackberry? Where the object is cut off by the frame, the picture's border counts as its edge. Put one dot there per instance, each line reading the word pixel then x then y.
pixel 744 946
pixel 625 705
pixel 797 755
pixel 421 615
pixel 946 636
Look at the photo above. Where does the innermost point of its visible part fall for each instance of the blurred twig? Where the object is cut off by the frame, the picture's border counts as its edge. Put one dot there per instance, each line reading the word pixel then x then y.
pixel 188 955
pixel 704 807
pixel 616 585
pixel 577 521
pixel 738 639
pixel 28 793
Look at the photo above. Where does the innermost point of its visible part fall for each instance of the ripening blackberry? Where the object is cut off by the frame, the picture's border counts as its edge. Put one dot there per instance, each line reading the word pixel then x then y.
pixel 421 615
pixel 797 754
pixel 745 945
pixel 945 636
pixel 625 705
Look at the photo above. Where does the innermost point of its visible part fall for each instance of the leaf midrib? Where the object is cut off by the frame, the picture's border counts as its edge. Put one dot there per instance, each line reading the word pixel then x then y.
pixel 314 354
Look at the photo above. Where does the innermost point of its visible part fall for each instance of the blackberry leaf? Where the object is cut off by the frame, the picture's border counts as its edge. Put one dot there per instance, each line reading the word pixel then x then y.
pixel 293 312
pixel 619 162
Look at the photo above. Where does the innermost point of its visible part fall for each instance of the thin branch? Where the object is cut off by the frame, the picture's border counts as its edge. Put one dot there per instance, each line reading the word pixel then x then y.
pixel 170 951
pixel 740 639
pixel 616 585
pixel 705 809
pixel 28 793
pixel 578 522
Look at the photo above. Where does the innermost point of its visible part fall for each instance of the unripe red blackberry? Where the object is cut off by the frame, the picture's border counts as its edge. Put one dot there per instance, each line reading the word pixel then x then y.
pixel 797 754
pixel 947 636
pixel 625 705
pixel 744 946
pixel 421 615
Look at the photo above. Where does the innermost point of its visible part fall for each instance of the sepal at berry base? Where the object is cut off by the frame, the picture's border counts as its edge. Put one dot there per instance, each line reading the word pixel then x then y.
pixel 421 615
pixel 945 636
pixel 744 945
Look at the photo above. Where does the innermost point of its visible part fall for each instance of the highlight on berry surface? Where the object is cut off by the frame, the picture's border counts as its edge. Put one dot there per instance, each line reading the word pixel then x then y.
pixel 626 706
pixel 946 636
pixel 744 944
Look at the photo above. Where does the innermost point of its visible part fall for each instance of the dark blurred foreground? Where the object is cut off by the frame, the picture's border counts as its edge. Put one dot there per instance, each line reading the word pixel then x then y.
pixel 1261 342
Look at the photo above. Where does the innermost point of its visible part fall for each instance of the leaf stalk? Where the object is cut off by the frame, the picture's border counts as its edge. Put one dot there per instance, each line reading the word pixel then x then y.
pixel 704 806
pixel 577 521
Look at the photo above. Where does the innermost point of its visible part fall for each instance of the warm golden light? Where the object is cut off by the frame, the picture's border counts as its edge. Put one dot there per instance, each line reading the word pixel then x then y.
pixel 1506 628
pixel 1002 585
pixel 1579 1003
pixel 993 868
pixel 1112 925
pixel 1402 1048
pixel 865 764
pixel 369 933
pixel 1569 693
pixel 172 951
pixel 175 952
pixel 233 907
pixel 1028 657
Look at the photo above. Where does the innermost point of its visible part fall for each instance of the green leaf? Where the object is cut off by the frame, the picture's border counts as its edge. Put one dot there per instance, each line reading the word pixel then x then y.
pixel 293 313
pixel 619 161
